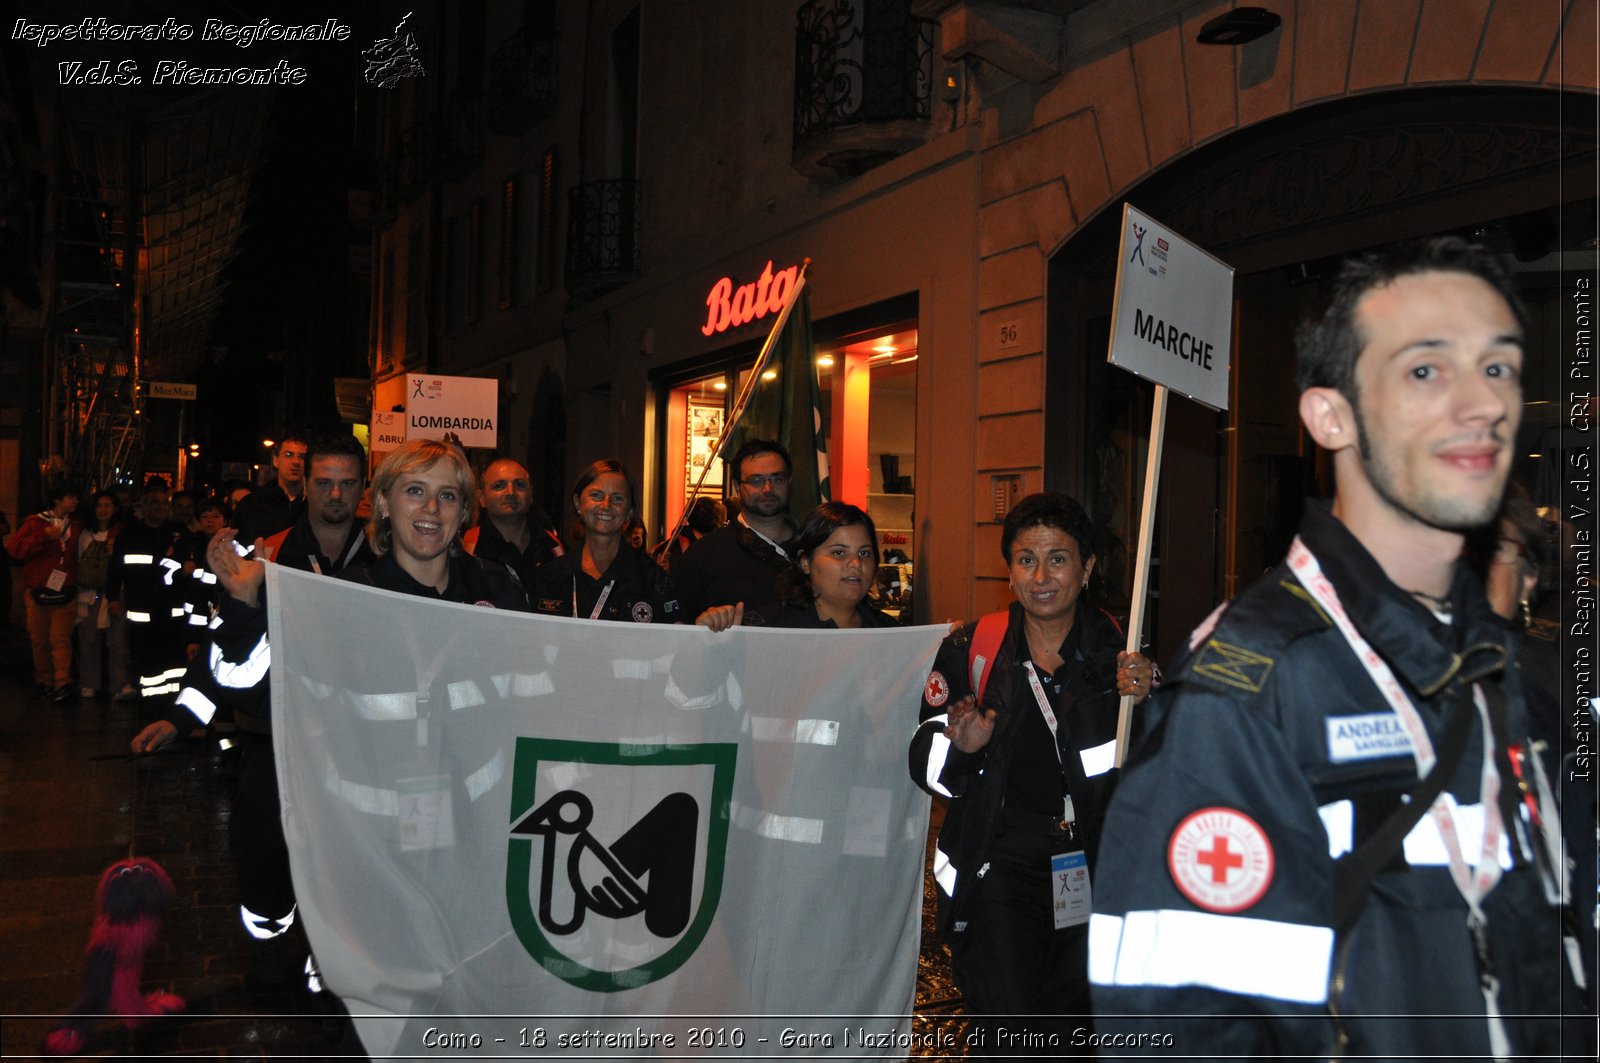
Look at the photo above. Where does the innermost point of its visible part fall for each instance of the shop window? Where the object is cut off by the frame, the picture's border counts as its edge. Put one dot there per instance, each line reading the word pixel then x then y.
pixel 867 380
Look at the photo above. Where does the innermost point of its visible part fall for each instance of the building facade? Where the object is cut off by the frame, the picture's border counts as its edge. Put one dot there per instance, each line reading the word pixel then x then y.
pixel 595 174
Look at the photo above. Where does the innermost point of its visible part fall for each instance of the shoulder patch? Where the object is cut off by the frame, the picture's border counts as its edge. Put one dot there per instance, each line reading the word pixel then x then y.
pixel 1232 666
pixel 938 689
pixel 642 613
pixel 1220 859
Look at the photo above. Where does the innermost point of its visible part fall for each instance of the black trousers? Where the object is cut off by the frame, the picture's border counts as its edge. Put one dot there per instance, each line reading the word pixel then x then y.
pixel 255 838
pixel 1025 983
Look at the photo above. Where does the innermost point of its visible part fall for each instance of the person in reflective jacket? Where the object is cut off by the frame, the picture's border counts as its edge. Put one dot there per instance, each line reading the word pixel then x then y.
pixel 1320 845
pixel 1027 768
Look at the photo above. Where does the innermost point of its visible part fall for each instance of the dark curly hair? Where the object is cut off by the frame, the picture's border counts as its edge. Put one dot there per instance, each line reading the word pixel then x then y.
pixel 1049 509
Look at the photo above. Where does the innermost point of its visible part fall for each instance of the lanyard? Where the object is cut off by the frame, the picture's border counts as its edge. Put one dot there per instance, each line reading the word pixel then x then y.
pixel 600 603
pixel 1068 813
pixel 1472 884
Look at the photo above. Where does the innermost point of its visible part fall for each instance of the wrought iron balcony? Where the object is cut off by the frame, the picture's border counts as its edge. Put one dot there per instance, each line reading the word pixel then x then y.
pixel 522 82
pixel 863 81
pixel 602 236
pixel 460 145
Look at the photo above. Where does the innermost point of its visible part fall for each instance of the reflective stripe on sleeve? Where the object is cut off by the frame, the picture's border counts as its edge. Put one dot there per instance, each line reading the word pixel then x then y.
pixel 136 617
pixel 248 672
pixel 464 694
pixel 944 872
pixel 1253 957
pixel 138 559
pixel 938 750
pixel 779 828
pixel 1423 845
pixel 1100 759
pixel 800 732
pixel 202 707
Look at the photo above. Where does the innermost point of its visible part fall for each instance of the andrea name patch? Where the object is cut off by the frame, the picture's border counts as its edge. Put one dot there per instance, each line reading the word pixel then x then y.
pixel 1377 734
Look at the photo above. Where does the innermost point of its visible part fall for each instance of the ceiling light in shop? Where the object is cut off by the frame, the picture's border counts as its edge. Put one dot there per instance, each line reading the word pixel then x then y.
pixel 721 385
pixel 770 374
pixel 825 361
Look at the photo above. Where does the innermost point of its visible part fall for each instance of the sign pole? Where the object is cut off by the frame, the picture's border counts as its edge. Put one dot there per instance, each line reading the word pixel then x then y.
pixel 1141 569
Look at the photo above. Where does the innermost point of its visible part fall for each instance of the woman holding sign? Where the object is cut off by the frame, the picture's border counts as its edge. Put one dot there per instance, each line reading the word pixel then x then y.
pixel 1018 729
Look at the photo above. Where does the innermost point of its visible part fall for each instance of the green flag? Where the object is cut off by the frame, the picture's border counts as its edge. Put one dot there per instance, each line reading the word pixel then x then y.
pixel 785 406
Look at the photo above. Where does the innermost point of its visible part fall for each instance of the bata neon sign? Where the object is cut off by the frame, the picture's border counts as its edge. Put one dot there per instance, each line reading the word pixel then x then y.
pixel 729 307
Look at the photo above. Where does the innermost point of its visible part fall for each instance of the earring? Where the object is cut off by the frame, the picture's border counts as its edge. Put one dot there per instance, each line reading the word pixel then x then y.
pixel 1527 614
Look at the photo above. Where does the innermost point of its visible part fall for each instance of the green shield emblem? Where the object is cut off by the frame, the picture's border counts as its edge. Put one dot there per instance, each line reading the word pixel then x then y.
pixel 615 856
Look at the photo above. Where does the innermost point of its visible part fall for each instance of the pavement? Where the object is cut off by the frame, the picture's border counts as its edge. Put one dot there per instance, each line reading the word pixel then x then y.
pixel 72 802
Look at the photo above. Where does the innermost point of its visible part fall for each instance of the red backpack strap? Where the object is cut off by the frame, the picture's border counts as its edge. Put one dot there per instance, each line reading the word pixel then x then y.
pixel 985 644
pixel 273 544
pixel 1114 623
pixel 469 540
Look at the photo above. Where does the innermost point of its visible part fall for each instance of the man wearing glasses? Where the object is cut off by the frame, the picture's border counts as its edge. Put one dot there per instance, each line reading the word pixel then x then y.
pixel 744 560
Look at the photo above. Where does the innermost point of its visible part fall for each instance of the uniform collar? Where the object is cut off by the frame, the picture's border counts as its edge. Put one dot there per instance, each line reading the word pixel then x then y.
pixel 1390 619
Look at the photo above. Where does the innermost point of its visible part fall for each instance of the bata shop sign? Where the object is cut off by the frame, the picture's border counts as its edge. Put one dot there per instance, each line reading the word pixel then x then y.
pixel 729 307
pixel 463 406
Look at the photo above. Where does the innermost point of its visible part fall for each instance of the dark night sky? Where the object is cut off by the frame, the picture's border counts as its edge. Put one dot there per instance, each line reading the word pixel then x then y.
pixel 291 269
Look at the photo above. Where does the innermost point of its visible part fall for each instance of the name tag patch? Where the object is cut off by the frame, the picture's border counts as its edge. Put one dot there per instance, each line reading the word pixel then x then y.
pixel 1367 737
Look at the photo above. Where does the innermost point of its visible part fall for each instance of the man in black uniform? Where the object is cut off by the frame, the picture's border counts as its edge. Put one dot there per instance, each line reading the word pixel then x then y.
pixel 744 560
pixel 270 509
pixel 146 583
pixel 1324 829
pixel 511 529
pixel 326 539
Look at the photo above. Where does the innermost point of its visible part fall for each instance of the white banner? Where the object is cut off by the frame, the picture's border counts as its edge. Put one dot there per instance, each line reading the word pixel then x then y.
pixel 1172 317
pixel 512 833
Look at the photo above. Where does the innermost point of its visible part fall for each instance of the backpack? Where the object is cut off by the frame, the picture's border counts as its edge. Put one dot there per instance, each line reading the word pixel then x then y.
pixel 93 563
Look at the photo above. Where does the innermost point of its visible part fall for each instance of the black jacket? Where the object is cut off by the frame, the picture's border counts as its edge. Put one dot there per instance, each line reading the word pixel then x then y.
pixel 975 783
pixel 544 545
pixel 1271 751
pixel 266 511
pixel 641 591
pixel 730 565
pixel 787 613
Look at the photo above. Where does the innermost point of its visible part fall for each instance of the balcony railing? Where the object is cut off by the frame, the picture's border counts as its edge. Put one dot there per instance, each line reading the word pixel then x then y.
pixel 522 82
pixel 863 82
pixel 602 236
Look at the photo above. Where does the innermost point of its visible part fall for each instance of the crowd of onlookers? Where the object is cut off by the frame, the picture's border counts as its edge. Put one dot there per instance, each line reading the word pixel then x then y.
pixel 59 561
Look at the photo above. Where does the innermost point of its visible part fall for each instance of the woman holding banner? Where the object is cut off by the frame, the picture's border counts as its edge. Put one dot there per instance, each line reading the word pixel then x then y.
pixel 607 579
pixel 836 557
pixel 1018 731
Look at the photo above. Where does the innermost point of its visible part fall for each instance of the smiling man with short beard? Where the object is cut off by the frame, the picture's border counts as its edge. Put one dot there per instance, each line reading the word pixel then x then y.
pixel 1321 828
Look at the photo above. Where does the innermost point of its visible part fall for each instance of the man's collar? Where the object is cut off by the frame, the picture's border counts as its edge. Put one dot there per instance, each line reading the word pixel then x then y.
pixel 776 546
pixel 1391 620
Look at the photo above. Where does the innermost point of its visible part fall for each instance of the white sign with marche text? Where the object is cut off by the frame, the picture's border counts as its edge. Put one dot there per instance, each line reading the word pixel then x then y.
pixel 1173 318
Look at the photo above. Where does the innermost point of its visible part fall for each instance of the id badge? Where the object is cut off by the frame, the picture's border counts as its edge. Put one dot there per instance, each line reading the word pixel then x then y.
pixel 425 820
pixel 1069 880
pixel 57 580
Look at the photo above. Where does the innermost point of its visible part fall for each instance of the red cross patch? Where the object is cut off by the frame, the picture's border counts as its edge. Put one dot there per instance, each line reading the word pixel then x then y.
pixel 937 691
pixel 1220 859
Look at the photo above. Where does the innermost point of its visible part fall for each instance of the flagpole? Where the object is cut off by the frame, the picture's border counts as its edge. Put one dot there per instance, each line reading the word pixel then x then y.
pixel 743 399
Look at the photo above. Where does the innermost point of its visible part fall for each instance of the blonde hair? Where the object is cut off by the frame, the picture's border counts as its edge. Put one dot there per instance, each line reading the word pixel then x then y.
pixel 420 455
